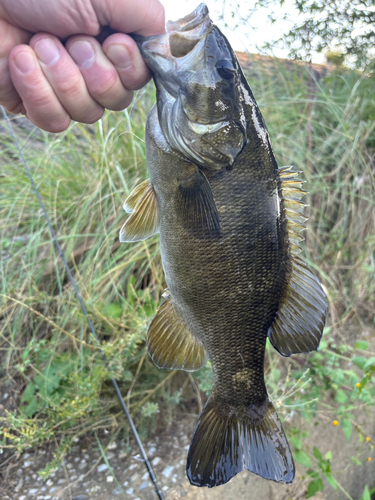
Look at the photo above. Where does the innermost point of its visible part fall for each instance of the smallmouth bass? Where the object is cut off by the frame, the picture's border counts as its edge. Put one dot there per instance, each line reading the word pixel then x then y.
pixel 229 222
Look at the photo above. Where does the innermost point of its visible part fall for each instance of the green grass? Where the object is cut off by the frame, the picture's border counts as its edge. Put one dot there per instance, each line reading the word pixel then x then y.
pixel 325 128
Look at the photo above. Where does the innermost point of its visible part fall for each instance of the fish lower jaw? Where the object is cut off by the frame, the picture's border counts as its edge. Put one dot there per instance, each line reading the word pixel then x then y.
pixel 201 128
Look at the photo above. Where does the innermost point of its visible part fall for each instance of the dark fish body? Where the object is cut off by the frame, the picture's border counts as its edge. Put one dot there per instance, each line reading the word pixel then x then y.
pixel 229 221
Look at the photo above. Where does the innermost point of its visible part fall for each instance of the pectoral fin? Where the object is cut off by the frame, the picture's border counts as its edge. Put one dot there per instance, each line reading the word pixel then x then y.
pixel 144 220
pixel 197 206
pixel 136 195
pixel 171 344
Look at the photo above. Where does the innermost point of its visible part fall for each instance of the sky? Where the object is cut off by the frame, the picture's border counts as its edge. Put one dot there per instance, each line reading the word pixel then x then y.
pixel 245 37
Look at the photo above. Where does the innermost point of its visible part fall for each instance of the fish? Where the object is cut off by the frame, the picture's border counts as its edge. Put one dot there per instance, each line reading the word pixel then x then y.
pixel 230 223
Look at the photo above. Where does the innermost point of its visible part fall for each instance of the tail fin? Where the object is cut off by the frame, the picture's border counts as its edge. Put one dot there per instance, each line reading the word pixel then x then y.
pixel 228 439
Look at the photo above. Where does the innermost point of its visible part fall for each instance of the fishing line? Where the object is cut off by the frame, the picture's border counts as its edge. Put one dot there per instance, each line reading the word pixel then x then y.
pixel 91 326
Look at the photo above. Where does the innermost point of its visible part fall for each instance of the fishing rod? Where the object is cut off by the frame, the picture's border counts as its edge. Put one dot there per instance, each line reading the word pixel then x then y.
pixel 83 307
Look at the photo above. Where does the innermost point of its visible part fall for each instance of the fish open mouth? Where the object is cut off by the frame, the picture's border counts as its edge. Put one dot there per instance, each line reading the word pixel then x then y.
pixel 185 33
pixel 189 22
pixel 166 54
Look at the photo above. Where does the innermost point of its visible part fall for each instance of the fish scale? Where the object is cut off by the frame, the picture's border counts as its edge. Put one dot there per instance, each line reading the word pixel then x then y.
pixel 229 222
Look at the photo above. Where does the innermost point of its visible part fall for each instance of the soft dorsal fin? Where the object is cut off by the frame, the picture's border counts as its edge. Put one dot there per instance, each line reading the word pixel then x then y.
pixel 171 344
pixel 144 220
pixel 300 320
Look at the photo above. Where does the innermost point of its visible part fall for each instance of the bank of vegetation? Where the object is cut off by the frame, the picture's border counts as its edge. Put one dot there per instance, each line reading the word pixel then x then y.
pixel 324 125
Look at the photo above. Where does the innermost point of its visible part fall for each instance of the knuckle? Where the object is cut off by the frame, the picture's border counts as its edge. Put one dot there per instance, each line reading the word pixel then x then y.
pixel 89 117
pixel 14 107
pixel 123 103
pixel 106 88
pixel 70 85
pixel 58 125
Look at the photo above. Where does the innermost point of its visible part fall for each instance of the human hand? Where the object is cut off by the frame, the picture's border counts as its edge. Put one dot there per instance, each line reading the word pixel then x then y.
pixel 53 84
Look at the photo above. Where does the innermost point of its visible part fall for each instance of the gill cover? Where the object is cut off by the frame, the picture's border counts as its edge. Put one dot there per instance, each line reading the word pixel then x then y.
pixel 197 77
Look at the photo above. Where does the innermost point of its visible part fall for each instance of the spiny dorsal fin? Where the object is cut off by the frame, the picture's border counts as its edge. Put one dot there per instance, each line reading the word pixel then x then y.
pixel 144 220
pixel 294 207
pixel 171 344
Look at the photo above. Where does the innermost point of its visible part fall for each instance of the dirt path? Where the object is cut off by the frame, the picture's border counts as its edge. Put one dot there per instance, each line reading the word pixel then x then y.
pixel 85 476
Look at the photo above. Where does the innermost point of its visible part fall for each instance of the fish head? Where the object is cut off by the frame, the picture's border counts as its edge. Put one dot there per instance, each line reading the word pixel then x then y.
pixel 198 81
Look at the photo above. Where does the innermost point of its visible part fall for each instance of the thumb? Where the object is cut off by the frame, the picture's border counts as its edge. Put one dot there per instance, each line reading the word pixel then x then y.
pixel 10 38
pixel 144 17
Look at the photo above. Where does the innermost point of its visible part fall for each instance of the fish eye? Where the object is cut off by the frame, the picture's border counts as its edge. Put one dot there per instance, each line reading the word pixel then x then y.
pixel 225 69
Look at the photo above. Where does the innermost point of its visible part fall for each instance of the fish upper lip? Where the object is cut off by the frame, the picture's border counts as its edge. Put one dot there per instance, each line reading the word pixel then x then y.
pixel 193 28
pixel 189 22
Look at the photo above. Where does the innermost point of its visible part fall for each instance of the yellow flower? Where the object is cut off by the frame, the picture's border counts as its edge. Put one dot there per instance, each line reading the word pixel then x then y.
pixel 335 422
pixel 369 459
pixel 358 384
pixel 367 439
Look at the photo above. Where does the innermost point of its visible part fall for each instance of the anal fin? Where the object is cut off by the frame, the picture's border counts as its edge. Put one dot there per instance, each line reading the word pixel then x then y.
pixel 171 344
pixel 144 219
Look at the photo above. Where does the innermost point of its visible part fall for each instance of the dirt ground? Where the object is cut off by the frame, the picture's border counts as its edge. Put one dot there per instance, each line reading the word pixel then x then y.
pixel 85 476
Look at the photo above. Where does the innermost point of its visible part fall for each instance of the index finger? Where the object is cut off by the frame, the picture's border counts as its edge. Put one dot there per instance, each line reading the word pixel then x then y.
pixel 144 17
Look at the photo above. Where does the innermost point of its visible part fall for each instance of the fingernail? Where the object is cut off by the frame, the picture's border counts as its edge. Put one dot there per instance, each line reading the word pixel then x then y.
pixel 47 51
pixel 119 55
pixel 83 54
pixel 25 62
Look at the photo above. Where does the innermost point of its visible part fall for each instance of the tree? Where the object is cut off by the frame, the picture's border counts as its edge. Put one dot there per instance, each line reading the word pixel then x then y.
pixel 323 24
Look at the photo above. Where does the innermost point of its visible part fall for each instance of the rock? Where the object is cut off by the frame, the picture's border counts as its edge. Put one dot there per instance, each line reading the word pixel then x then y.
pixel 82 465
pixel 152 451
pixel 156 461
pixel 112 446
pixel 168 471
pixel 80 497
pixel 102 467
pixel 33 491
pixel 27 464
pixel 19 485
pixel 144 485
pixel 117 491
pixel 130 491
pixel 109 479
